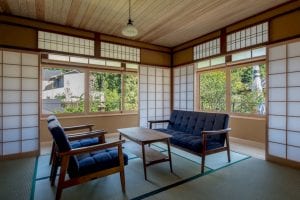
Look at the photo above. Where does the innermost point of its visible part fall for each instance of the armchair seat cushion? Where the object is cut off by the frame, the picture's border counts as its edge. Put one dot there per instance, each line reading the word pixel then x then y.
pixel 96 161
pixel 84 142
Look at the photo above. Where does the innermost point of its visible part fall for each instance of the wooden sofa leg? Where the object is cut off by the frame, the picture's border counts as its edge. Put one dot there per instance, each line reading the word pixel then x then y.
pixel 61 180
pixel 52 154
pixel 122 178
pixel 228 148
pixel 202 162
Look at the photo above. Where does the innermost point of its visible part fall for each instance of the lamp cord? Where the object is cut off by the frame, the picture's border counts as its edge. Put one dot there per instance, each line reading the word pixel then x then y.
pixel 129 9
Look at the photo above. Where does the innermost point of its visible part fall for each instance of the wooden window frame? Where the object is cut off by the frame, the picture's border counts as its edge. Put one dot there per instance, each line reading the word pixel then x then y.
pixel 87 69
pixel 227 68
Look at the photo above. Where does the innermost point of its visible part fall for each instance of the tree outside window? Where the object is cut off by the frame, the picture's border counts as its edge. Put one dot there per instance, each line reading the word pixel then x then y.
pixel 105 92
pixel 213 91
pixel 131 92
pixel 248 89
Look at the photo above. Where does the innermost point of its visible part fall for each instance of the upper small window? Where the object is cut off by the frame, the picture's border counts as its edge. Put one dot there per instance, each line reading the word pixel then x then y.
pixel 247 37
pixel 121 52
pixel 207 49
pixel 65 43
pixel 248 54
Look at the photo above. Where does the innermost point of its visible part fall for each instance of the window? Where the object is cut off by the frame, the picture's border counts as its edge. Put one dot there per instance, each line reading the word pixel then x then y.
pixel 63 90
pixel 207 49
pixel 105 92
pixel 251 36
pixel 65 43
pixel 213 91
pixel 121 52
pixel 248 89
pixel 252 53
pixel 213 62
pixel 131 92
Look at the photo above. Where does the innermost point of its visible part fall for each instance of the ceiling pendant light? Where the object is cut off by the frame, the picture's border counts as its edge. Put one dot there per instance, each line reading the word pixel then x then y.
pixel 129 30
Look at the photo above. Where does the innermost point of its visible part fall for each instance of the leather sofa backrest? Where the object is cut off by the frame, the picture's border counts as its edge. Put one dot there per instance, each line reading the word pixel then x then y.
pixel 196 122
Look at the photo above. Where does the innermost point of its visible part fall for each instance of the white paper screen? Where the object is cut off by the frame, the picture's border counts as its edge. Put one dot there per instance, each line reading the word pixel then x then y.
pixel 284 101
pixel 154 95
pixel 20 101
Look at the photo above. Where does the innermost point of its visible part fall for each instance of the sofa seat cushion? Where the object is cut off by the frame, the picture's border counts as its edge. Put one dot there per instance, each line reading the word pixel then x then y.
pixel 84 142
pixel 95 161
pixel 169 131
pixel 189 141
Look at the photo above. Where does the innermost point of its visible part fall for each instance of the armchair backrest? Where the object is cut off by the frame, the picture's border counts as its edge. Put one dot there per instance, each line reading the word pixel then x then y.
pixel 63 144
pixel 58 135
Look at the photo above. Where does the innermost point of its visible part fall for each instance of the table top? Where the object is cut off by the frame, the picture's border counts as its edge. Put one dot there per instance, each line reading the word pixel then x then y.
pixel 140 134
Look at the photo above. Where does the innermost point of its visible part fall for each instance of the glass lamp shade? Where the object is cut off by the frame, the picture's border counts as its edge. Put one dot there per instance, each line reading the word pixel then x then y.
pixel 129 30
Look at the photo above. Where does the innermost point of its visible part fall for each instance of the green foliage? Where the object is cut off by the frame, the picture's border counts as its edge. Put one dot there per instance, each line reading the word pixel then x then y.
pixel 213 91
pixel 109 86
pixel 244 98
pixel 70 107
pixel 131 92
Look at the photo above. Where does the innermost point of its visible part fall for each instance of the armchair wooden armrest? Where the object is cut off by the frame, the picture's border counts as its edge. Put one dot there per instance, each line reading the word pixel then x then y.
pixel 216 132
pixel 79 127
pixel 91 148
pixel 157 121
pixel 84 135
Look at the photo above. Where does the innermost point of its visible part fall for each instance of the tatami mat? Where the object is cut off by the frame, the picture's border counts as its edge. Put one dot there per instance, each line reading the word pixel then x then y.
pixel 16 178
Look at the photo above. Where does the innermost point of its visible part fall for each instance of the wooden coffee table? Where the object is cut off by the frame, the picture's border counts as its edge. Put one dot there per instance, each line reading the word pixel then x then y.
pixel 143 136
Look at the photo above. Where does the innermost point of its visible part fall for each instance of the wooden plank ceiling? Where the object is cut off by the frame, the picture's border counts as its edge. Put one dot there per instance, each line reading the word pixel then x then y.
pixel 163 22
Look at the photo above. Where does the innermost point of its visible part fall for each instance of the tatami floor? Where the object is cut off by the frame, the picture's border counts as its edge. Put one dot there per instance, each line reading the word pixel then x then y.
pixel 253 149
pixel 251 178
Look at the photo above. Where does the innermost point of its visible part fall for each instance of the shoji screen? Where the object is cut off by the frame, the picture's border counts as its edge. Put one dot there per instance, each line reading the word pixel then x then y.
pixel 284 101
pixel 154 94
pixel 184 88
pixel 19 102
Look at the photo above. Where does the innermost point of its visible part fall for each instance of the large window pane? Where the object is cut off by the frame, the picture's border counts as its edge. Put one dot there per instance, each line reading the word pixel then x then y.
pixel 105 92
pixel 213 91
pixel 131 89
pixel 248 89
pixel 63 91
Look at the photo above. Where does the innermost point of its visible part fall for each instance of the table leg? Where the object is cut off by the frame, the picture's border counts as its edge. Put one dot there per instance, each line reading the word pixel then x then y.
pixel 169 154
pixel 144 161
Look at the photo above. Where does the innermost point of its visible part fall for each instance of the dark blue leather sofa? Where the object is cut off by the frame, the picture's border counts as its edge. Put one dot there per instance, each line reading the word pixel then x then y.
pixel 201 133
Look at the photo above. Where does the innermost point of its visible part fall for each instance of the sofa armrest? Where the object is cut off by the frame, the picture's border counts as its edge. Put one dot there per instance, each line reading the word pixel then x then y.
pixel 216 132
pixel 157 121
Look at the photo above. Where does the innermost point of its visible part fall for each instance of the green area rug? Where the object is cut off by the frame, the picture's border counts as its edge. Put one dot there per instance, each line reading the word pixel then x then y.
pixel 185 165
